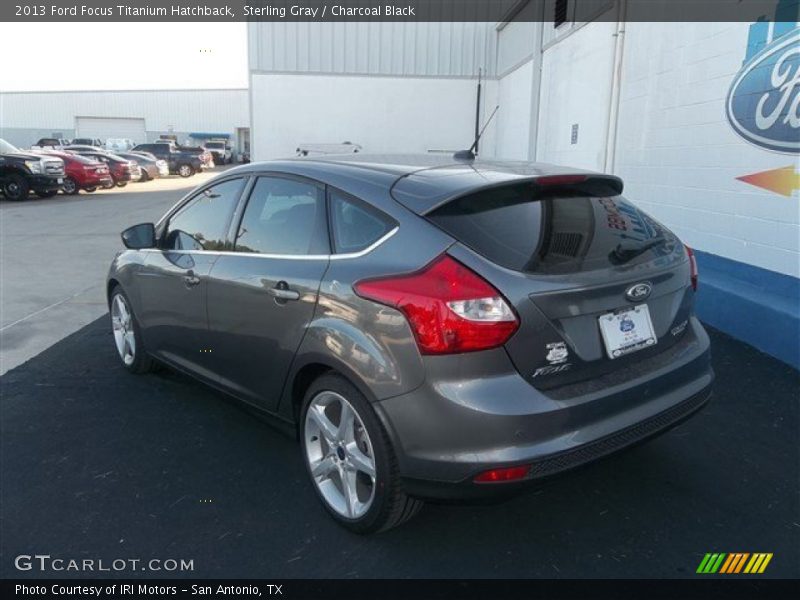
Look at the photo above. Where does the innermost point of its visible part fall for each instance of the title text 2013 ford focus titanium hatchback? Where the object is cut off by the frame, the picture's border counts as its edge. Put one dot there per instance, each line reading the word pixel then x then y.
pixel 429 327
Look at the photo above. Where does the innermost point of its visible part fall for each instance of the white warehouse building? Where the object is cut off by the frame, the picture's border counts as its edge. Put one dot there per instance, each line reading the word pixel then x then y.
pixel 663 105
pixel 140 115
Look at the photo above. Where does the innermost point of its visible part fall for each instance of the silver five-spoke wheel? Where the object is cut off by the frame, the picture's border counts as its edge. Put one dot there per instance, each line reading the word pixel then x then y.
pixel 122 324
pixel 339 454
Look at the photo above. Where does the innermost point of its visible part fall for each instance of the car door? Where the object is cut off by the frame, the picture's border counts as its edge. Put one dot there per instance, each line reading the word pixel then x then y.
pixel 262 295
pixel 174 281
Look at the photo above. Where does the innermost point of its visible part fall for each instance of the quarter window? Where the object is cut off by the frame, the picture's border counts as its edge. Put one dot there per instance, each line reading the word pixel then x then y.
pixel 284 216
pixel 356 226
pixel 202 224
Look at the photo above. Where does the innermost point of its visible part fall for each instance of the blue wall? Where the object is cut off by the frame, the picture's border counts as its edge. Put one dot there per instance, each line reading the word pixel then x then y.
pixel 755 305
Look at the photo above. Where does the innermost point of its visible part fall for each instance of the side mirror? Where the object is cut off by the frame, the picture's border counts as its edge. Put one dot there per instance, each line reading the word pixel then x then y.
pixel 140 236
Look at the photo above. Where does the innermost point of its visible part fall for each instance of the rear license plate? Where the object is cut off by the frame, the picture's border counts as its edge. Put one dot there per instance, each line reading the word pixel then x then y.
pixel 627 330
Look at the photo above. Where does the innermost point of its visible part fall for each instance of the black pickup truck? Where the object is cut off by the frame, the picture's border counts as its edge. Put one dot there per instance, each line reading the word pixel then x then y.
pixel 22 172
pixel 180 162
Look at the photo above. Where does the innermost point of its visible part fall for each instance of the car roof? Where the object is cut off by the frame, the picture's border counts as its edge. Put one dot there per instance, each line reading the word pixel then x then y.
pixel 421 182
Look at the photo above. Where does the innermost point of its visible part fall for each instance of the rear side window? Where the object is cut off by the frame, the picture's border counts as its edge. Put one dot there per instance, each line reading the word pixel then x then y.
pixel 202 224
pixel 284 216
pixel 555 231
pixel 355 225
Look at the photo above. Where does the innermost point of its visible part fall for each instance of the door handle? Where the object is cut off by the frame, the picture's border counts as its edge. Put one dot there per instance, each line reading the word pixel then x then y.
pixel 190 279
pixel 281 292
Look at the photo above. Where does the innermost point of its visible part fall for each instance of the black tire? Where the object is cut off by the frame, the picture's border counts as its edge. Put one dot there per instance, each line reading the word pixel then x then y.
pixel 90 190
pixel 71 186
pixel 142 362
pixel 110 186
pixel 121 184
pixel 15 187
pixel 48 194
pixel 185 170
pixel 144 177
pixel 390 505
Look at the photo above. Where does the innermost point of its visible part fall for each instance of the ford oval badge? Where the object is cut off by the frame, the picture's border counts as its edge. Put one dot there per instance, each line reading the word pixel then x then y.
pixel 638 292
pixel 763 104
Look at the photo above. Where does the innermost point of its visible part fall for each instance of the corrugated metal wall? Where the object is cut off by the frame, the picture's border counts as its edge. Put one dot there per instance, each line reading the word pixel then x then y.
pixel 182 110
pixel 361 48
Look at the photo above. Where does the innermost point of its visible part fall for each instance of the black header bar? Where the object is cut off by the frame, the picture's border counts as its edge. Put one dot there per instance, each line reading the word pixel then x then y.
pixel 395 10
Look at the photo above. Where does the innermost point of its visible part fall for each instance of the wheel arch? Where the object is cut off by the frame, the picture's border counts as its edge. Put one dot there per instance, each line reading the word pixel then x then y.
pixel 111 284
pixel 304 372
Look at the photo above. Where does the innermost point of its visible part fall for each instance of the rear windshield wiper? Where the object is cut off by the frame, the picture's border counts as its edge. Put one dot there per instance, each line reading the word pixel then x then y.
pixel 626 251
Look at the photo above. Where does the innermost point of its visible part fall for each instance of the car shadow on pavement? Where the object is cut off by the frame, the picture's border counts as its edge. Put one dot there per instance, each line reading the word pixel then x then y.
pixel 97 463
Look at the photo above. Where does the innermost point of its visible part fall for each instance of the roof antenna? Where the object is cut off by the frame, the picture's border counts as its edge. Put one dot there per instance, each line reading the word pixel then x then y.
pixel 470 154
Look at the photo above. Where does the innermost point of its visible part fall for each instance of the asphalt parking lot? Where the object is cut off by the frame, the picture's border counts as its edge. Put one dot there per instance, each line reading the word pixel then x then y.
pixel 99 464
pixel 54 255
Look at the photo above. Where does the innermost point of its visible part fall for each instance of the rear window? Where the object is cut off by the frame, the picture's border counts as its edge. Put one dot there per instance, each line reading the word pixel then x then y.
pixel 553 233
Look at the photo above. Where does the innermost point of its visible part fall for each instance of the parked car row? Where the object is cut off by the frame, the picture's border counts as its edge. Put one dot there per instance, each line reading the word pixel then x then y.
pixel 215 152
pixel 46 169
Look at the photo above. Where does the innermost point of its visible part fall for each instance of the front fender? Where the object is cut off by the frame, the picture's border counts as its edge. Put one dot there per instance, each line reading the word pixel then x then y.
pixel 123 271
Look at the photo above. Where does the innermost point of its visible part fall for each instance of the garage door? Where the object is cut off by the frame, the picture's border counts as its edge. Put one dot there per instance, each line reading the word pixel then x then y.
pixel 94 127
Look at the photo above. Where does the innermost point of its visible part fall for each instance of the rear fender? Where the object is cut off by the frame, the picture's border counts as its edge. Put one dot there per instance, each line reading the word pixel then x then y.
pixel 380 366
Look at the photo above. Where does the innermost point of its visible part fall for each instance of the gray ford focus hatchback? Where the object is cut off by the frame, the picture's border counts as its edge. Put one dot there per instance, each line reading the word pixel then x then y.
pixel 429 327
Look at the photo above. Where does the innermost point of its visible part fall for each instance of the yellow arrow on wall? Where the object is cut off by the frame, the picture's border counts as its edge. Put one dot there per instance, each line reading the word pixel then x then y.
pixel 781 181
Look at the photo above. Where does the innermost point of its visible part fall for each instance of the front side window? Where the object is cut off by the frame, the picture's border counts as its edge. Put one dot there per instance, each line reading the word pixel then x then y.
pixel 355 226
pixel 284 216
pixel 202 224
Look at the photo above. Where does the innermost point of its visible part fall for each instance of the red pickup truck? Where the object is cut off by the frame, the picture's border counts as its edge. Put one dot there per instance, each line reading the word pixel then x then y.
pixel 81 172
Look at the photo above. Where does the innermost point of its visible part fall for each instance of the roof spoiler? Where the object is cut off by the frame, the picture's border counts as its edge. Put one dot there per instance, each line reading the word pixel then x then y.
pixel 584 184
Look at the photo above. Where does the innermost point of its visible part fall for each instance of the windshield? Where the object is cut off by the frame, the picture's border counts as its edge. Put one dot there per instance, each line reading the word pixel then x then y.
pixel 6 148
pixel 214 145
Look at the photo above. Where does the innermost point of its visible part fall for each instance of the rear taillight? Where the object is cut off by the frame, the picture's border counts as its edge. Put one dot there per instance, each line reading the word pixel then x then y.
pixel 450 308
pixel 692 266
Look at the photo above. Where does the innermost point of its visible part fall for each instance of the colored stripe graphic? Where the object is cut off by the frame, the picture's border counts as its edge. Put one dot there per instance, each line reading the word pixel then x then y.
pixel 737 562
pixel 727 564
pixel 711 563
pixel 758 563
pixel 722 563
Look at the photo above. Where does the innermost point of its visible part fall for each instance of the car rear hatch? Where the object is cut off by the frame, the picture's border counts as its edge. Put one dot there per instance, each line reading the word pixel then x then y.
pixel 597 284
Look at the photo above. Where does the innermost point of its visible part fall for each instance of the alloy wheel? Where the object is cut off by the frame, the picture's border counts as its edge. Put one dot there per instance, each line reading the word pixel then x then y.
pixel 122 325
pixel 339 454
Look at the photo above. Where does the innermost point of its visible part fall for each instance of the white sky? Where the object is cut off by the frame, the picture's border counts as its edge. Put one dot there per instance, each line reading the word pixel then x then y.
pixel 122 56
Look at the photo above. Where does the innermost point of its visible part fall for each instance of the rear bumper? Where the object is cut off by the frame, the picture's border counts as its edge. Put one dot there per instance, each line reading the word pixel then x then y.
pixel 450 429
pixel 92 181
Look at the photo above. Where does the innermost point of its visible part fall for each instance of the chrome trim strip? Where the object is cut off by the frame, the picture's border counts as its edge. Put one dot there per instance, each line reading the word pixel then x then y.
pixel 346 256
pixel 366 250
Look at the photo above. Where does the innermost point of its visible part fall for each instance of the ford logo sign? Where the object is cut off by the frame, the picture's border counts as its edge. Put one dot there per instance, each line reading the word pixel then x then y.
pixel 763 104
pixel 638 292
